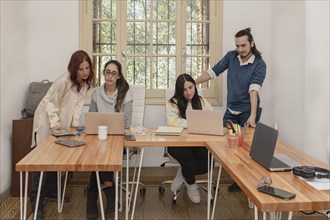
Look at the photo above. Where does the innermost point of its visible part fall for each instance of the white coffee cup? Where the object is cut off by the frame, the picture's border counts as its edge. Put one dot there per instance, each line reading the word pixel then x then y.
pixel 102 132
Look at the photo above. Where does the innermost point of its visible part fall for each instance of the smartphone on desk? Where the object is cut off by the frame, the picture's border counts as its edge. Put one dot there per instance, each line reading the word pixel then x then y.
pixel 130 137
pixel 277 192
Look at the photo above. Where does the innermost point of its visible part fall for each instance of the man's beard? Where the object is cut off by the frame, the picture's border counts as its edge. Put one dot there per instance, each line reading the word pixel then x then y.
pixel 242 57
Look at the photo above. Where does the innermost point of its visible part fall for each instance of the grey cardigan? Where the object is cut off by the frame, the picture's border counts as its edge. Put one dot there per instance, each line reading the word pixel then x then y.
pixel 103 103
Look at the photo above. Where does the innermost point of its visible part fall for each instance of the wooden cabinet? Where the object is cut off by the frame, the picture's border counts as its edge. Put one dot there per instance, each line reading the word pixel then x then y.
pixel 21 146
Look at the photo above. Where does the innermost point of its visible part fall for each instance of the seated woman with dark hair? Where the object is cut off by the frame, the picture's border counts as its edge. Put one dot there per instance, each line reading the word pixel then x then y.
pixel 193 160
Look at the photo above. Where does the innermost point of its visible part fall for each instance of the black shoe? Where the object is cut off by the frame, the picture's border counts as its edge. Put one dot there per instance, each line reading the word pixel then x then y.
pixel 40 215
pixel 53 197
pixel 234 188
pixel 110 207
pixel 92 211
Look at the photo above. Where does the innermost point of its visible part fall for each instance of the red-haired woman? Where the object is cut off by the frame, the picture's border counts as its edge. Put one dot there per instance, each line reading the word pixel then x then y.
pixel 61 108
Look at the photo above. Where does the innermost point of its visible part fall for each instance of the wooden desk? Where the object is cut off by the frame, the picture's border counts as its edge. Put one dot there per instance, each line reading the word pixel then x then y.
pixel 94 156
pixel 246 172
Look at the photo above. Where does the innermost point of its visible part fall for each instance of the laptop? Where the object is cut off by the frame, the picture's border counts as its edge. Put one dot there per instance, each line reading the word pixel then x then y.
pixel 114 120
pixel 70 142
pixel 205 122
pixel 263 148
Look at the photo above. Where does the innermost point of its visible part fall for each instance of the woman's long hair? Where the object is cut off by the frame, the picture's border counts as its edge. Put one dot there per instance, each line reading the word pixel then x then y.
pixel 121 84
pixel 77 58
pixel 179 100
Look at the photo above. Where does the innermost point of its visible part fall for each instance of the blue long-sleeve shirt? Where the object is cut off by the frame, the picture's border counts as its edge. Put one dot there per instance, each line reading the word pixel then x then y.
pixel 239 79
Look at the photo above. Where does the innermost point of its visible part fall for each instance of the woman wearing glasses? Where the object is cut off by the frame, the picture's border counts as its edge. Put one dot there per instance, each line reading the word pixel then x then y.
pixel 112 96
pixel 193 160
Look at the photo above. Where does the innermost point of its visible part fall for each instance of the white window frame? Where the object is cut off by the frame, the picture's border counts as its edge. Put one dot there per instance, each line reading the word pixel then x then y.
pixel 156 96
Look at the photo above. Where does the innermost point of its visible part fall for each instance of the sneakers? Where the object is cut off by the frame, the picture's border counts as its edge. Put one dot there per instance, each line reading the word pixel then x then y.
pixel 177 181
pixel 193 193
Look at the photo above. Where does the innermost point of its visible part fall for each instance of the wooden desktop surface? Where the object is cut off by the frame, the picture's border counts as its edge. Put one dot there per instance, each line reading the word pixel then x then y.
pixel 185 139
pixel 94 156
pixel 246 172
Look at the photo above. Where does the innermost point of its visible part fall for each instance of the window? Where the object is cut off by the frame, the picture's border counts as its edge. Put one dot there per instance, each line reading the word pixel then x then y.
pixel 155 40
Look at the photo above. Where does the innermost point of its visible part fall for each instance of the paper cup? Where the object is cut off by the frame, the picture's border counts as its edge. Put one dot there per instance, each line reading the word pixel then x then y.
pixel 103 133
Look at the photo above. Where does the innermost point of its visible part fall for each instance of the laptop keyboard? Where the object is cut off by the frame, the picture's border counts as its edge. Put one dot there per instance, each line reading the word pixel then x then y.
pixel 276 163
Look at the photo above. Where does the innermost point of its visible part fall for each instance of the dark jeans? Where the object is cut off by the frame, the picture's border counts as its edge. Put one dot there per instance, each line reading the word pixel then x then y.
pixel 193 161
pixel 104 176
pixel 239 119
pixel 48 187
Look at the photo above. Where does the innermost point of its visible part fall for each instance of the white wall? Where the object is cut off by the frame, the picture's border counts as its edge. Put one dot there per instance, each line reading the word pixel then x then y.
pixel 37 40
pixel 301 74
pixel 293 36
pixel 288 42
pixel 316 93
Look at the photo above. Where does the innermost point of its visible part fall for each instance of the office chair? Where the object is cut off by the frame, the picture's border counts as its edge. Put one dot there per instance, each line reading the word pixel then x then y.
pixel 133 153
pixel 170 160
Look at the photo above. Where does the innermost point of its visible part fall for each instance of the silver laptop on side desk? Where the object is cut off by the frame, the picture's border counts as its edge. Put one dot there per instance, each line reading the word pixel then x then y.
pixel 263 148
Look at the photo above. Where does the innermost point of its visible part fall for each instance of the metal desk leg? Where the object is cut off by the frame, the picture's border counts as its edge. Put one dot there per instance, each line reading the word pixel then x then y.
pixel 209 183
pixel 23 206
pixel 100 194
pixel 121 191
pixel 21 194
pixel 255 212
pixel 60 199
pixel 290 215
pixel 38 195
pixel 137 181
pixel 251 205
pixel 216 192
pixel 127 190
pixel 116 200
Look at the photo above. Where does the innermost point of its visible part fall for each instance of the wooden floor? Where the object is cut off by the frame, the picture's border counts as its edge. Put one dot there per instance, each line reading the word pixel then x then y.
pixel 151 205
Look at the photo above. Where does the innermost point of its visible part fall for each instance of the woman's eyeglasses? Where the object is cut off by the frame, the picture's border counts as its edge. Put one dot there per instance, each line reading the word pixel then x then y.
pixel 264 181
pixel 110 73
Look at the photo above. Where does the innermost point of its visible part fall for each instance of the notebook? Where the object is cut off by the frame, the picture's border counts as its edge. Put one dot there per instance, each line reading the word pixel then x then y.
pixel 167 130
pixel 205 122
pixel 114 120
pixel 263 148
pixel 70 142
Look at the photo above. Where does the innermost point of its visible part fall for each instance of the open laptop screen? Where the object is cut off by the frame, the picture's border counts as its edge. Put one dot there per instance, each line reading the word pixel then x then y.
pixel 263 144
pixel 114 120
pixel 205 122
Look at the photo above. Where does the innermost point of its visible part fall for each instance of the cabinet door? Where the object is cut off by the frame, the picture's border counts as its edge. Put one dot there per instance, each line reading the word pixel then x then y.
pixel 21 146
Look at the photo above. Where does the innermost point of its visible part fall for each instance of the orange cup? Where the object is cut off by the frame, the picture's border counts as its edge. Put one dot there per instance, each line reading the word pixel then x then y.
pixel 240 139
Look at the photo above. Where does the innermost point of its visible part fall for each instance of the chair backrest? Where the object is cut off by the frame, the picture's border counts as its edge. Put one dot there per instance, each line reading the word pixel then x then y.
pixel 139 97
